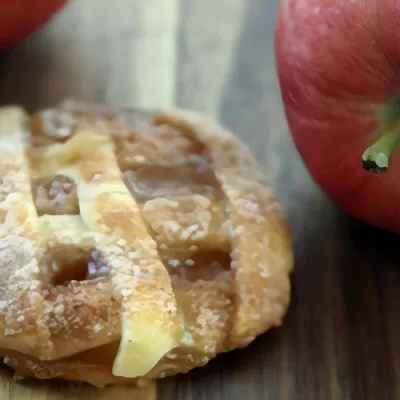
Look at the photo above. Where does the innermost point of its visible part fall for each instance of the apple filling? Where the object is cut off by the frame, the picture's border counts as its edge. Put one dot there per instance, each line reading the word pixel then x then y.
pixel 55 195
pixel 70 263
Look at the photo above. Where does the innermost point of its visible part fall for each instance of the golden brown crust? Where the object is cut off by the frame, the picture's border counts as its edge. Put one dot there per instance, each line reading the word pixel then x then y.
pixel 260 237
pixel 196 248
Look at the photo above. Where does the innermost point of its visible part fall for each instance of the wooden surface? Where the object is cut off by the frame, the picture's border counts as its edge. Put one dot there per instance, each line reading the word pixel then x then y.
pixel 341 338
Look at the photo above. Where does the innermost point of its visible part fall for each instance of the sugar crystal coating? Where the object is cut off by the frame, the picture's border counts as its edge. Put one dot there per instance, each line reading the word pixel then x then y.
pixel 118 222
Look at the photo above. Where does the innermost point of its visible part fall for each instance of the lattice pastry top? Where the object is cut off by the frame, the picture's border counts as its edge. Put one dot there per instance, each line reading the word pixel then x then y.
pixel 132 244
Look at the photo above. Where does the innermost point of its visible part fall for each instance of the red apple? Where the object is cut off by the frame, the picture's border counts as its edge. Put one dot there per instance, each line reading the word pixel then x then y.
pixel 19 18
pixel 338 64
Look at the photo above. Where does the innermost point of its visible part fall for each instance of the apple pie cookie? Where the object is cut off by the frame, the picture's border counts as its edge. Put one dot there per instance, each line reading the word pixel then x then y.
pixel 133 245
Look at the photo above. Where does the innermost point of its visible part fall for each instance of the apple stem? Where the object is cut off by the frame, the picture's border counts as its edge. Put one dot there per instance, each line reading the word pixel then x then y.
pixel 376 157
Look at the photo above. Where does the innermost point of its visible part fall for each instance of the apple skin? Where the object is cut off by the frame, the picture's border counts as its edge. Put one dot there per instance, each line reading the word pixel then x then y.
pixel 20 18
pixel 338 65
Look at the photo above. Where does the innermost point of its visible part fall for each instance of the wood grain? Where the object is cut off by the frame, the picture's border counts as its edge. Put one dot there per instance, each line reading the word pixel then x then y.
pixel 340 340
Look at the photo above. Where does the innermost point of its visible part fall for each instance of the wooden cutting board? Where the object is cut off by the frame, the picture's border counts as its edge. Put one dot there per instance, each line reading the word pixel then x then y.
pixel 340 340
